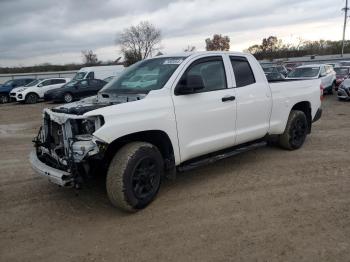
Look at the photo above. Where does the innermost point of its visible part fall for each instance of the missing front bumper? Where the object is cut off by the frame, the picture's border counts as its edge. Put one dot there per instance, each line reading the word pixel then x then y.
pixel 54 175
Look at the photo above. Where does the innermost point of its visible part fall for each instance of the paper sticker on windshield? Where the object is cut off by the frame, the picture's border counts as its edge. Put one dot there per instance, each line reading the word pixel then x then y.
pixel 173 61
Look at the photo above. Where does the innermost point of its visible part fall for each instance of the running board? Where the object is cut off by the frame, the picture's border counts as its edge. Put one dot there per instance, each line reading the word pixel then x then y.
pixel 213 157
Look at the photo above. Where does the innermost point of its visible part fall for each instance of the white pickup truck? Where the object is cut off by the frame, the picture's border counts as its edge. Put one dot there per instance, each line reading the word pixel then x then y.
pixel 198 108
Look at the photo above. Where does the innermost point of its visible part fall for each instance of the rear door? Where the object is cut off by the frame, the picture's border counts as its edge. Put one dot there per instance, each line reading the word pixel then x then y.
pixel 43 87
pixel 254 101
pixel 206 119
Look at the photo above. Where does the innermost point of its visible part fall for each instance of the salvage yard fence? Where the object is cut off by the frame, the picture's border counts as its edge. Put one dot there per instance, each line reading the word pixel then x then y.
pixel 67 74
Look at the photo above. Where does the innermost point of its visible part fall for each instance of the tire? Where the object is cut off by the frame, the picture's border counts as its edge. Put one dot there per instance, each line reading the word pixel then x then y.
pixel 67 97
pixel 134 176
pixel 296 131
pixel 332 89
pixel 4 99
pixel 31 98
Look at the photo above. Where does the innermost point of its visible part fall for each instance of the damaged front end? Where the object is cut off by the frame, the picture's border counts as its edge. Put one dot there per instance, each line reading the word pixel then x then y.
pixel 65 147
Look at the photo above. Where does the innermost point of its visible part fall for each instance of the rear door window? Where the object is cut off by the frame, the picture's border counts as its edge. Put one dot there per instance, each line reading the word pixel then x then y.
pixel 243 72
pixel 57 81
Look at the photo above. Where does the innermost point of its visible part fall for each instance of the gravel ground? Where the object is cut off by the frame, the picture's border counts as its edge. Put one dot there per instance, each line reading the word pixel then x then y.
pixel 263 205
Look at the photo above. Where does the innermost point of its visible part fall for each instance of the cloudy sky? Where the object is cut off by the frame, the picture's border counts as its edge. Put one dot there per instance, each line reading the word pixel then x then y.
pixel 40 31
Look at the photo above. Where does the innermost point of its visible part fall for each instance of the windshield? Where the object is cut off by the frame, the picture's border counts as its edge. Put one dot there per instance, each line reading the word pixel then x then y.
pixel 70 84
pixel 341 71
pixel 144 76
pixel 8 83
pixel 305 72
pixel 33 83
pixel 79 76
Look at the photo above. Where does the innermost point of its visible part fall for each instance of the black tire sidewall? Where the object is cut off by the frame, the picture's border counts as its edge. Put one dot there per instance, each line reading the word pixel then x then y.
pixel 4 99
pixel 64 97
pixel 31 101
pixel 129 195
pixel 299 116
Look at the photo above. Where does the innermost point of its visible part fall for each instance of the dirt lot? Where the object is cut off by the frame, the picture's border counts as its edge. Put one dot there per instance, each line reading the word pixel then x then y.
pixel 264 205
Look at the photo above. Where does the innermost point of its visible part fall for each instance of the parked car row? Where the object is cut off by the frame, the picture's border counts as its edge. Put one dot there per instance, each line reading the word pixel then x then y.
pixel 6 88
pixel 86 82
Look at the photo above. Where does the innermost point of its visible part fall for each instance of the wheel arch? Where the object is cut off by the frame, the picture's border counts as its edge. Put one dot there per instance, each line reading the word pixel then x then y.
pixel 158 138
pixel 305 106
pixel 31 93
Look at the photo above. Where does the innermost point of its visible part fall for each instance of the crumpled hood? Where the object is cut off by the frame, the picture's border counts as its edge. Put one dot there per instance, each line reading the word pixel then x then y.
pixel 96 102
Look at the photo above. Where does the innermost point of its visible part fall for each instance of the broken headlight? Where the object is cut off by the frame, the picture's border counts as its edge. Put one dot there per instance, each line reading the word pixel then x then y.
pixel 87 126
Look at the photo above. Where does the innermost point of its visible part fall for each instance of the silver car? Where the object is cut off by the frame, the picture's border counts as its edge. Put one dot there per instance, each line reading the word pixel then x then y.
pixel 344 90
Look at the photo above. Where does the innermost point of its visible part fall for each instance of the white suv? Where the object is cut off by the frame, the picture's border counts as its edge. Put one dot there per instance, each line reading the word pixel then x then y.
pixel 35 90
pixel 325 73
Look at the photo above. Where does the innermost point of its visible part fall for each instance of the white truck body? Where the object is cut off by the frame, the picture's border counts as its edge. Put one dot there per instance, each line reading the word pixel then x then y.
pixel 195 124
pixel 98 72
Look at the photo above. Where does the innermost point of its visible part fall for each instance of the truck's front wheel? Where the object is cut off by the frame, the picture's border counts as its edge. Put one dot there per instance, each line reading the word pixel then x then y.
pixel 134 176
pixel 296 131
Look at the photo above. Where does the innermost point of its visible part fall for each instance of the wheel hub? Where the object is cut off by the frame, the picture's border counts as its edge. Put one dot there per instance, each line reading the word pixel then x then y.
pixel 144 178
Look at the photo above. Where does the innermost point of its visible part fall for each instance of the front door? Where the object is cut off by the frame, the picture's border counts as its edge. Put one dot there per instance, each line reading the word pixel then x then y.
pixel 206 119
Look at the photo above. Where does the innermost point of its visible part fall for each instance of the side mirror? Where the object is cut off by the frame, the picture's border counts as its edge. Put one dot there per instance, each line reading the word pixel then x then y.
pixel 189 85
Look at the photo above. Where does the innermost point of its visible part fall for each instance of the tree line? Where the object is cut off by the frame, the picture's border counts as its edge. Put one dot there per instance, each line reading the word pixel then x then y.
pixel 143 41
pixel 273 48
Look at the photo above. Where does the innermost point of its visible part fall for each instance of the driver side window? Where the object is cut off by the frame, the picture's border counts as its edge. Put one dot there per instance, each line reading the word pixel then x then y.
pixel 211 70
pixel 45 83
pixel 84 84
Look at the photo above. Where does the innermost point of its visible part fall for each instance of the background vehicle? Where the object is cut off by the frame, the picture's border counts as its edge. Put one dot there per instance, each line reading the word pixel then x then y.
pixel 32 92
pixel 341 74
pixel 290 66
pixel 273 69
pixel 98 72
pixel 323 72
pixel 344 90
pixel 334 64
pixel 344 63
pixel 202 107
pixel 6 88
pixel 74 90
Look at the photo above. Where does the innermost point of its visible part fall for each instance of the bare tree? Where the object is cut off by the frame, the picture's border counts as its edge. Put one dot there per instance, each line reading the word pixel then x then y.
pixel 139 42
pixel 89 57
pixel 218 43
pixel 190 48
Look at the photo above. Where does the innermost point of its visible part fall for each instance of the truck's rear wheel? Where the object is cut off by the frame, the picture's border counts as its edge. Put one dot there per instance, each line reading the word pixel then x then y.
pixel 296 131
pixel 134 176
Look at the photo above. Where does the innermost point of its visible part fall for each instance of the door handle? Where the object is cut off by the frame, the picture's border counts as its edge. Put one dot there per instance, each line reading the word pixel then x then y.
pixel 228 98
